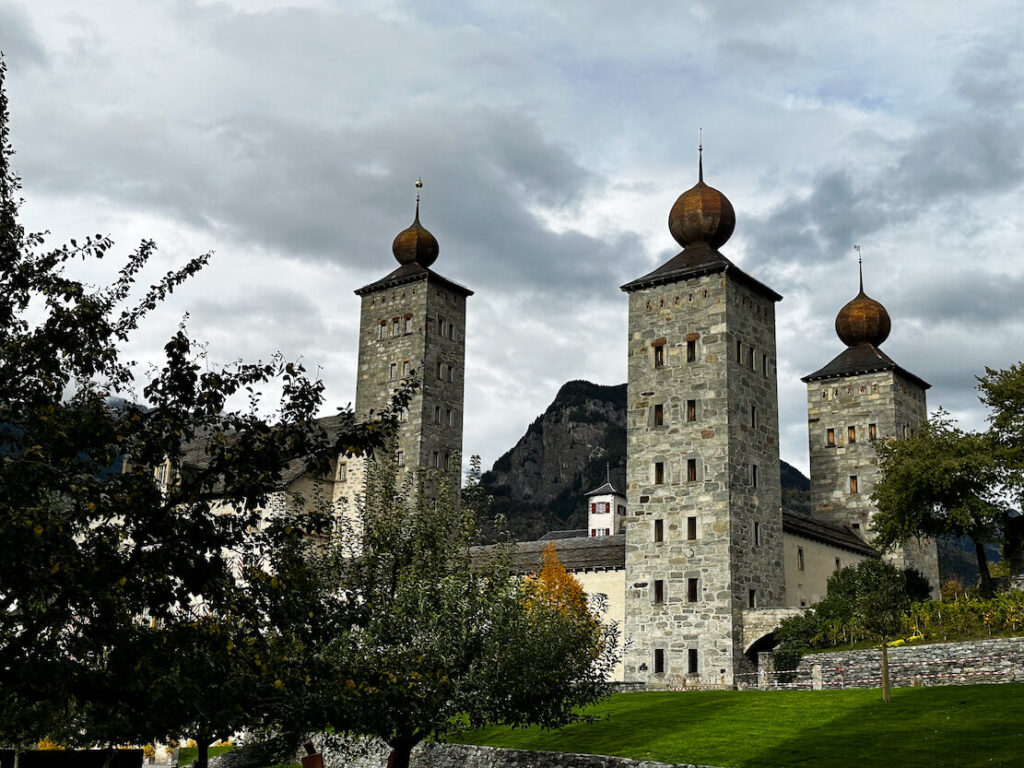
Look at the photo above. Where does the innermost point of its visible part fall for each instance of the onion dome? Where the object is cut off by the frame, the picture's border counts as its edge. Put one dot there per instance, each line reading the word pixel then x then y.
pixel 415 245
pixel 863 320
pixel 702 214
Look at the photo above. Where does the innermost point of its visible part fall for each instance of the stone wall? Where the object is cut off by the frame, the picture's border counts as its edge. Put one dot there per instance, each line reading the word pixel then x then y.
pixel 986 661
pixel 460 756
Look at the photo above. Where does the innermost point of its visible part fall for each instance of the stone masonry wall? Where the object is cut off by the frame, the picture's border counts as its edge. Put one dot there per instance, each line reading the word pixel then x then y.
pixel 1000 660
pixel 897 408
pixel 681 410
pixel 412 343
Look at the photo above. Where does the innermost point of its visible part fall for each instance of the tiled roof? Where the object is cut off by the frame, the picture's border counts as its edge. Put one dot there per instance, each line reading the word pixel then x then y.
pixel 694 261
pixel 827 533
pixel 601 553
pixel 410 273
pixel 862 358
pixel 604 490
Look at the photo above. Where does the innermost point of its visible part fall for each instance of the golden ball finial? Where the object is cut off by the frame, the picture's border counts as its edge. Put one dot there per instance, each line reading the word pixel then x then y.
pixel 863 320
pixel 702 214
pixel 416 245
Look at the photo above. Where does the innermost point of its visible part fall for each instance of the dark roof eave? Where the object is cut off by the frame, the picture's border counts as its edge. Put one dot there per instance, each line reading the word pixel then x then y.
pixel 699 270
pixel 831 372
pixel 825 533
pixel 394 280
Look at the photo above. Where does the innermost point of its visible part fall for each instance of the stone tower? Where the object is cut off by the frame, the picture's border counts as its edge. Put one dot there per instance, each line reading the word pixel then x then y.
pixel 704 520
pixel 858 398
pixel 412 324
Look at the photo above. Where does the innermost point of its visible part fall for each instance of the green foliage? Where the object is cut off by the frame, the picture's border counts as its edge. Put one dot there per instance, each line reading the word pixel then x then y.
pixel 961 727
pixel 122 616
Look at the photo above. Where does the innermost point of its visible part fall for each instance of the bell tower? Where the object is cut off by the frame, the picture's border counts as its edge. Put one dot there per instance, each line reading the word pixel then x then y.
pixel 704 520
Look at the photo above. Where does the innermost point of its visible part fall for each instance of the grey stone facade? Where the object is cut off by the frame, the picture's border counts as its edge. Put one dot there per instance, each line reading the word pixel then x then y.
pixel 845 416
pixel 709 452
pixel 416 329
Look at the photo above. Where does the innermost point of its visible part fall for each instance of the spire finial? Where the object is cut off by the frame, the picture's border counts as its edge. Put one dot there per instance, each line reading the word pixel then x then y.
pixel 607 472
pixel 419 186
pixel 700 155
pixel 860 267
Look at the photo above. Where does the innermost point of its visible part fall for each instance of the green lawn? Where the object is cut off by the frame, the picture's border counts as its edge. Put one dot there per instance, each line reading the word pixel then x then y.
pixel 188 755
pixel 961 726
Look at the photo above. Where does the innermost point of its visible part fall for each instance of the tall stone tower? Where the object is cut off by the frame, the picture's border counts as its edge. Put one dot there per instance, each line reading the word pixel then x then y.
pixel 704 520
pixel 858 398
pixel 413 323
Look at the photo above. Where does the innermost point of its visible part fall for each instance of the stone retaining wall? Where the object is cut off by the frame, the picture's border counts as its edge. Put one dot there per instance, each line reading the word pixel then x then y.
pixel 464 756
pixel 986 661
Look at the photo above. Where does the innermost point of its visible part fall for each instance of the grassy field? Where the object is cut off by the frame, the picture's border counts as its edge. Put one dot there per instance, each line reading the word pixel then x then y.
pixel 963 726
pixel 188 755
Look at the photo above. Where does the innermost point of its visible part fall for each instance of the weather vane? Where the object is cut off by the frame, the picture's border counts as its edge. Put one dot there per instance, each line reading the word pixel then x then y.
pixel 419 186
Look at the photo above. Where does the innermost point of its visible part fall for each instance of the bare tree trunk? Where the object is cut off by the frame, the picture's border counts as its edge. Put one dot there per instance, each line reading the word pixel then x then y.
pixel 401 750
pixel 885 672
pixel 203 751
pixel 986 578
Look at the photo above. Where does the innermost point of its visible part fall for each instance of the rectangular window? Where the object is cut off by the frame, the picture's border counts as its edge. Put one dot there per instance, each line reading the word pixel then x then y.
pixel 691 528
pixel 659 472
pixel 764 364
pixel 739 351
pixel 437 460
pixel 383 330
pixel 853 484
pixel 442 325
pixel 405 368
pixel 691 661
pixel 750 358
pixel 447 461
pixel 839 565
pixel 451 373
pixel 830 437
pixel 394 327
pixel 659 530
pixel 403 415
pixel 752 598
pixel 691 470
pixel 659 660
pixel 400 456
pixel 393 370
pixel 856 528
pixel 659 415
pixel 451 331
pixel 659 591
pixel 851 435
pixel 440 370
pixel 691 351
pixel 449 417
pixel 753 417
pixel 437 414
pixel 408 324
pixel 659 356
pixel 799 558
pixel 753 475
pixel 691 410
pixel 342 472
pixel 872 432
pixel 757 534
pixel 691 590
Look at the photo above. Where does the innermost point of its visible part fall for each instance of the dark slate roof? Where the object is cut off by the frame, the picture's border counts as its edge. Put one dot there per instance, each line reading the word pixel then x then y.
pixel 410 273
pixel 694 261
pixel 827 533
pixel 862 358
pixel 601 553
pixel 605 489
pixel 573 534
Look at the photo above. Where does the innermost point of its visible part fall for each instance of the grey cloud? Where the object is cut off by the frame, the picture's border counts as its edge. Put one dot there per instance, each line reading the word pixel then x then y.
pixel 19 42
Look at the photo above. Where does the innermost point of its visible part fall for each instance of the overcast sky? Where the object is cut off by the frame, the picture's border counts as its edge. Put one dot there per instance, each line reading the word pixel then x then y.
pixel 552 139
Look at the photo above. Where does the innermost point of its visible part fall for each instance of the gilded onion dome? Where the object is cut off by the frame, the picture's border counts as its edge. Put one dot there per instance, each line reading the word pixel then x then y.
pixel 863 320
pixel 415 245
pixel 702 214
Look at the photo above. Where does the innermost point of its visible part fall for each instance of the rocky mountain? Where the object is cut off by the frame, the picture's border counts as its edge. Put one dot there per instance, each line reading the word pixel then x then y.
pixel 573 447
